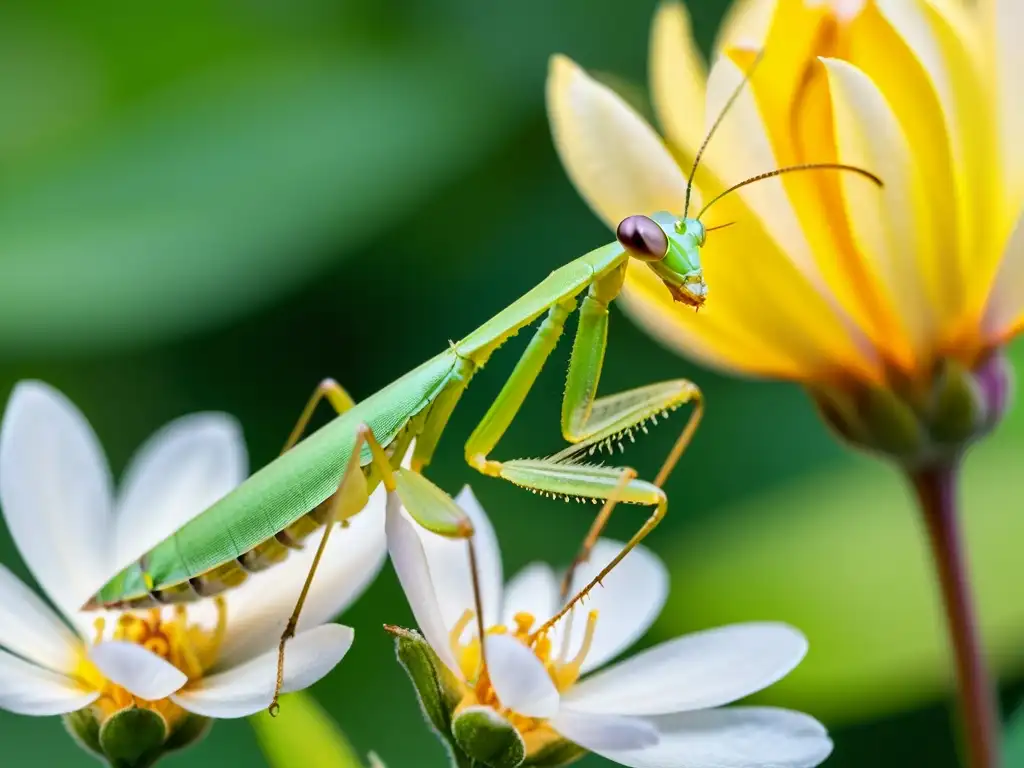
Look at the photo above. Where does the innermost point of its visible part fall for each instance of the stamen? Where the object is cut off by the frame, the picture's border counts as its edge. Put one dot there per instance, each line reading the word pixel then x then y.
pixel 459 628
pixel 100 626
pixel 158 645
pixel 188 659
pixel 212 647
pixel 567 674
pixel 588 639
pixel 524 621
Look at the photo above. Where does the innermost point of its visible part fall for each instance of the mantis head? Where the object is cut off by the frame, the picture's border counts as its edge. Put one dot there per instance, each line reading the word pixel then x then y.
pixel 670 246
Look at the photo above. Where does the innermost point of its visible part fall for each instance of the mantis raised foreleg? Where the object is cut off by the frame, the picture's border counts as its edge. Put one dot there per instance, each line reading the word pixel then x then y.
pixel 588 422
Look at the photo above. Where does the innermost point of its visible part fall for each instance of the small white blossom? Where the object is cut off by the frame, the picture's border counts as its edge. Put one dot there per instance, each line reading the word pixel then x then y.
pixel 215 659
pixel 661 708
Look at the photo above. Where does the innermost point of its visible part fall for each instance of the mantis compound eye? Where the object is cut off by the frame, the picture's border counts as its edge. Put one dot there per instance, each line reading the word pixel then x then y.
pixel 643 238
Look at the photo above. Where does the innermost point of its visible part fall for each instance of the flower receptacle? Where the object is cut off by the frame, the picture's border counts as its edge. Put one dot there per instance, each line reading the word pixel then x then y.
pixel 920 426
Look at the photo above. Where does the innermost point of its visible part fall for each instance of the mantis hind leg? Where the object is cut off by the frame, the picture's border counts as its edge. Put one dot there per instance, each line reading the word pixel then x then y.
pixel 327 389
pixel 349 499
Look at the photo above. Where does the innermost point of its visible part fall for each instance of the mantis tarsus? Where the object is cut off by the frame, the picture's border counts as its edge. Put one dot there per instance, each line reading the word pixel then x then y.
pixel 327 477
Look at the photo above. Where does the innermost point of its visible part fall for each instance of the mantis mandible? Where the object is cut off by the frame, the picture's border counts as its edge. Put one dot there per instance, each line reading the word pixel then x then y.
pixel 327 477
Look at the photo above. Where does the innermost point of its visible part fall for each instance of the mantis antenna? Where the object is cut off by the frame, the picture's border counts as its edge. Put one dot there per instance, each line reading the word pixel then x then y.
pixel 760 177
pixel 714 127
pixel 719 226
pixel 791 169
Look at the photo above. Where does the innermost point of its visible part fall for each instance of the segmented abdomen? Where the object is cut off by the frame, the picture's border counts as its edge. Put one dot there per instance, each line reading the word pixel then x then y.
pixel 231 574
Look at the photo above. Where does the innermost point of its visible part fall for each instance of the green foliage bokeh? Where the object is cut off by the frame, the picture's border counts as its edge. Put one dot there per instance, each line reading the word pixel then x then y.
pixel 215 205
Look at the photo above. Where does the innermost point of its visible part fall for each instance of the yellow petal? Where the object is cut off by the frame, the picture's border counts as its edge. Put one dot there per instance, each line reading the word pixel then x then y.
pixel 712 338
pixel 796 34
pixel 677 79
pixel 891 224
pixel 1004 314
pixel 1004 20
pixel 762 316
pixel 958 86
pixel 614 158
pixel 885 58
pixel 746 24
pixel 792 94
pixel 742 149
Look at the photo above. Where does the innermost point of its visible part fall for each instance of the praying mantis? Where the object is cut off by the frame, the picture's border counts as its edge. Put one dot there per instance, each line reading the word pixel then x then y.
pixel 326 477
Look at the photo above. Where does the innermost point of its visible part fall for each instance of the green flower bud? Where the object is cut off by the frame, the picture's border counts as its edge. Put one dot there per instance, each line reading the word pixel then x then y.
pixel 920 424
pixel 84 727
pixel 487 737
pixel 438 690
pixel 135 737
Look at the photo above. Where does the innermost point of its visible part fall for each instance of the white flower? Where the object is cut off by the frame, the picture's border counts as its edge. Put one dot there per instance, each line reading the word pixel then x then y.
pixel 661 708
pixel 74 534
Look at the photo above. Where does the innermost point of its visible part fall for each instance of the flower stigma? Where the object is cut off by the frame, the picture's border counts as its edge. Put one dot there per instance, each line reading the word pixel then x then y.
pixel 564 672
pixel 169 634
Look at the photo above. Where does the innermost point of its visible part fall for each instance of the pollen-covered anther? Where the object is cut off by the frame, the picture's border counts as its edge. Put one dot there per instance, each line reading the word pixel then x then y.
pixel 565 674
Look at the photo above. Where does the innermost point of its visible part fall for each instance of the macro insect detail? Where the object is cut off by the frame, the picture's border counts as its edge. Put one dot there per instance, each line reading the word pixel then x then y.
pixel 327 476
pixel 670 245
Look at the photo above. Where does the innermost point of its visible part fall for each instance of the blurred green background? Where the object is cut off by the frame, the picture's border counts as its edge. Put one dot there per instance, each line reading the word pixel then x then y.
pixel 213 205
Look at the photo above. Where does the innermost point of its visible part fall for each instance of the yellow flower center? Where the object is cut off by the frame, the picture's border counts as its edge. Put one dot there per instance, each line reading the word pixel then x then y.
pixel 166 633
pixel 564 672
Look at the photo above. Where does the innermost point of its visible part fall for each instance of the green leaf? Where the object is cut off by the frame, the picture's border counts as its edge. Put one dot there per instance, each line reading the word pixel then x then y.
pixel 303 736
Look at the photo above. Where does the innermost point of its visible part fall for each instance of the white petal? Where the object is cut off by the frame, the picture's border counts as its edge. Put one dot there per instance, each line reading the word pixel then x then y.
pixel 55 488
pixel 448 560
pixel 179 472
pixel 520 680
pixel 31 629
pixel 533 590
pixel 705 669
pixel 410 562
pixel 135 669
pixel 597 732
pixel 737 737
pixel 246 689
pixel 30 690
pixel 627 604
pixel 258 610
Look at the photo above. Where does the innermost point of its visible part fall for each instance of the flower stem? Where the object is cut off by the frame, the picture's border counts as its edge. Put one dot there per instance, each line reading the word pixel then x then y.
pixel 936 489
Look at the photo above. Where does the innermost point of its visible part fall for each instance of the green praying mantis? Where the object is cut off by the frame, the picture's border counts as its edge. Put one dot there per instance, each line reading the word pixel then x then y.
pixel 326 478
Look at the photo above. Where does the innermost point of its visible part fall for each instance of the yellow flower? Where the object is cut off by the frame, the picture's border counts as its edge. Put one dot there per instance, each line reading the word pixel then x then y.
pixel 825 279
pixel 889 305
